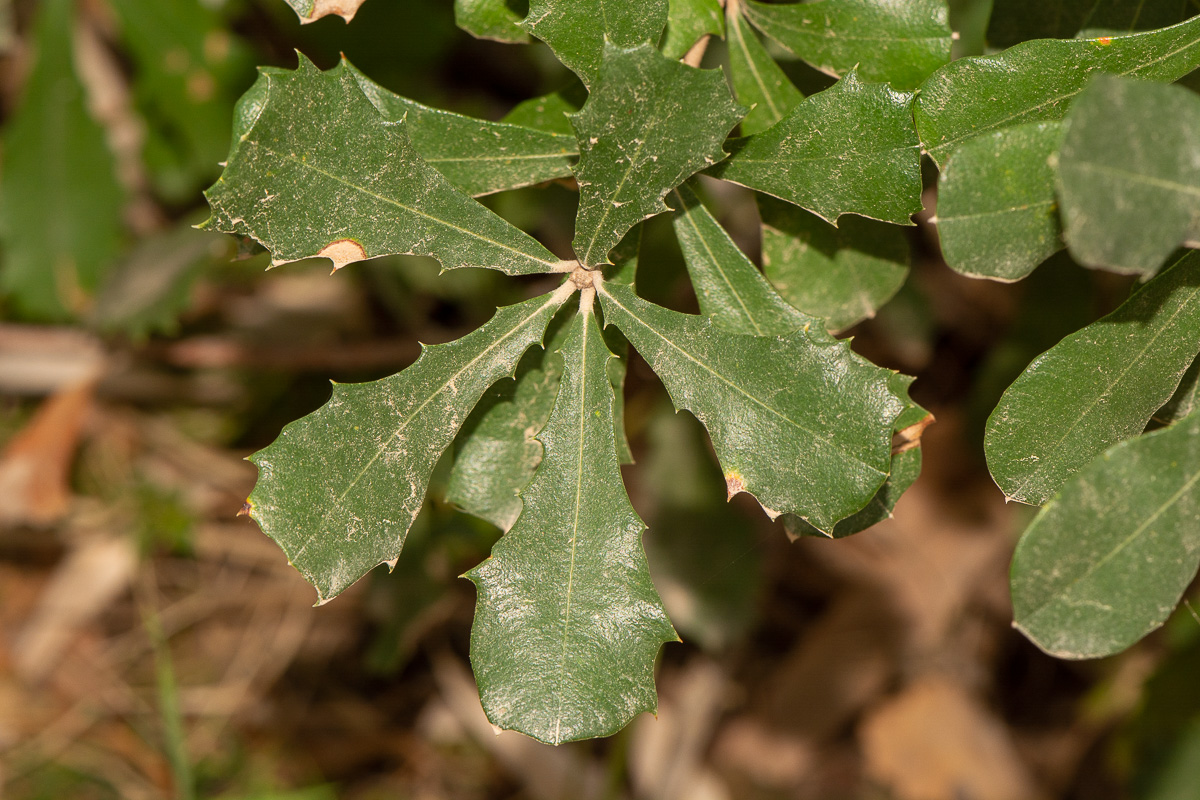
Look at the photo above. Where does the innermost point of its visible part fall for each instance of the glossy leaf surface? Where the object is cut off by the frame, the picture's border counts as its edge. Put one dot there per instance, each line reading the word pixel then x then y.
pixel 850 149
pixel 906 467
pixel 1106 561
pixel 577 30
pixel 799 421
pixel 900 43
pixel 997 214
pixel 1129 173
pixel 635 145
pixel 489 19
pixel 567 623
pixel 728 286
pixel 1096 387
pixel 339 489
pixel 1036 81
pixel 843 274
pixel 60 203
pixel 687 22
pixel 320 172
pixel 758 81
pixel 477 156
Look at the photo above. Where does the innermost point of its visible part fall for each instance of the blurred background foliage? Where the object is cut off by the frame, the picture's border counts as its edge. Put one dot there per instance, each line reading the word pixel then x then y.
pixel 152 646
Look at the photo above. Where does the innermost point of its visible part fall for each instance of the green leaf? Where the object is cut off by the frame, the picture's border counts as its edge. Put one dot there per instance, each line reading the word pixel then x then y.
pixel 579 30
pixel 549 112
pixel 770 405
pixel 60 203
pixel 687 22
pixel 733 292
pixel 490 19
pixel 496 453
pixel 850 149
pixel 477 156
pixel 1129 173
pixel 1095 387
pixel 322 173
pixel 997 216
pixel 906 467
pixel 313 10
pixel 757 80
pixel 567 623
pixel 650 122
pixel 339 489
pixel 1186 399
pixel 188 71
pixel 1106 561
pixel 728 286
pixel 900 43
pixel 843 274
pixel 1036 81
pixel 1015 21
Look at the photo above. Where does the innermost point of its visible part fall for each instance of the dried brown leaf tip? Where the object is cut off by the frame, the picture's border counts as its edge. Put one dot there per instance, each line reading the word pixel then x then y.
pixel 245 510
pixel 346 9
pixel 910 437
pixel 733 484
pixel 343 252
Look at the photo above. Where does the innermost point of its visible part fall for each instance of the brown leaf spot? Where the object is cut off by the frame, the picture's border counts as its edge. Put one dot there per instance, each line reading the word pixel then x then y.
pixel 910 437
pixel 246 509
pixel 733 484
pixel 343 252
pixel 343 8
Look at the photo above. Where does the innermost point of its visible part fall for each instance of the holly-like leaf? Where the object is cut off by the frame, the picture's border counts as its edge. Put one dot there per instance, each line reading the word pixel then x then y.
pixel 799 421
pixel 1095 387
pixel 1106 561
pixel 650 122
pixel 757 80
pixel 339 489
pixel 497 452
pixel 843 274
pixel 1036 81
pixel 567 622
pixel 901 43
pixel 1129 173
pixel 313 10
pixel 490 19
pixel 850 149
pixel 60 203
pixel 1014 21
pixel 321 172
pixel 579 30
pixel 477 156
pixel 733 292
pixel 728 286
pixel 687 22
pixel 997 215
pixel 906 467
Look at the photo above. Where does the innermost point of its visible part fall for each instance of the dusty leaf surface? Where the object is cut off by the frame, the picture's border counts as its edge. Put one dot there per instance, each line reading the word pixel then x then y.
pixel 649 123
pixel 340 488
pixel 770 404
pixel 850 149
pixel 319 171
pixel 567 622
